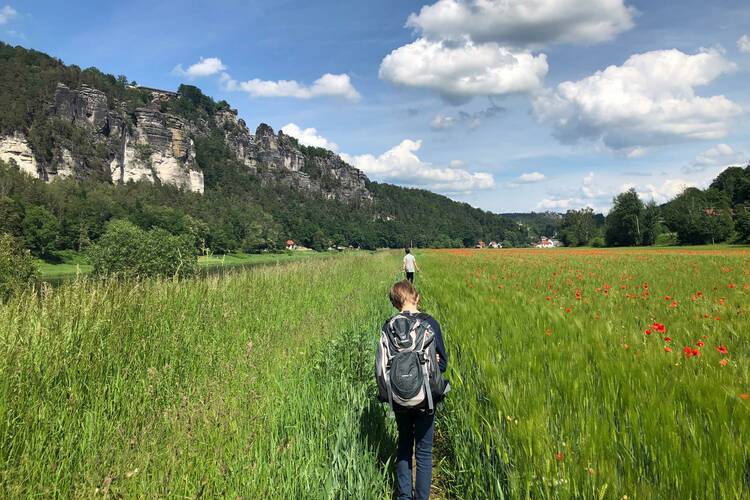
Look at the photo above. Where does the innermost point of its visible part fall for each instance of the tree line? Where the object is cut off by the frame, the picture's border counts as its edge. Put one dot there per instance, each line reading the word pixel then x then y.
pixel 720 213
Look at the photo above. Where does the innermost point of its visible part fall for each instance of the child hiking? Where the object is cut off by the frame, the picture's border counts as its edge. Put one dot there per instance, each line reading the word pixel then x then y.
pixel 409 366
pixel 410 264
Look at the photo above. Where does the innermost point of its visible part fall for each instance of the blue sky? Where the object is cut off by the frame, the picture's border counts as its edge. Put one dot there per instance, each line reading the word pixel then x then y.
pixel 510 106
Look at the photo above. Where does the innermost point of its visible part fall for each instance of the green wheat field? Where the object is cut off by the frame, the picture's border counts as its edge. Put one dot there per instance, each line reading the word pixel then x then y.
pixel 575 373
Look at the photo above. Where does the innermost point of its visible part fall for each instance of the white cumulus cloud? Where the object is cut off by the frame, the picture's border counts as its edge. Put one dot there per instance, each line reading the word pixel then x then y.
pixel 308 136
pixel 588 194
pixel 649 100
pixel 204 67
pixel 401 164
pixel 462 70
pixel 721 155
pixel 662 194
pixel 743 44
pixel 7 13
pixel 531 177
pixel 328 85
pixel 524 23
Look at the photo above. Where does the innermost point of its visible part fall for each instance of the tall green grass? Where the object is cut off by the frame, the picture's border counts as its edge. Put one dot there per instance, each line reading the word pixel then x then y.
pixel 211 387
pixel 582 404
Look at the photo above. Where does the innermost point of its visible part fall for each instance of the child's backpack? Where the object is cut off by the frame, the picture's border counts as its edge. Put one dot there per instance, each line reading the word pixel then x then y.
pixel 406 366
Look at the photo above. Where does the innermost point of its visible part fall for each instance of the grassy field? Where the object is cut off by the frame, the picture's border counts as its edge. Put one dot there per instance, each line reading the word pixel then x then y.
pixel 74 264
pixel 576 374
pixel 595 373
pixel 215 387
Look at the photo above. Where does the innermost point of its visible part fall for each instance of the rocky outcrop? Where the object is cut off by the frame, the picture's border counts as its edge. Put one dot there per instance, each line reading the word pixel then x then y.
pixel 86 107
pixel 15 149
pixel 146 144
pixel 238 137
pixel 329 175
pixel 123 144
pixel 158 149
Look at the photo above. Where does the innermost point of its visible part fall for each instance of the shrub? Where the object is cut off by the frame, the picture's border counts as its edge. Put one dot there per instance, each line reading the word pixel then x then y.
pixel 17 268
pixel 128 251
pixel 666 240
pixel 598 242
pixel 40 229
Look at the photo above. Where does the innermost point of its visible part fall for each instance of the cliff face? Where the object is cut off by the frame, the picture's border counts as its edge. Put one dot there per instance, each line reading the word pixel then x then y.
pixel 278 157
pixel 150 143
pixel 146 144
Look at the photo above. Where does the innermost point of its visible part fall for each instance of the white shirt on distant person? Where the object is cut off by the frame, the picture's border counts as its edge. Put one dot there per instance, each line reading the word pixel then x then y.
pixel 409 263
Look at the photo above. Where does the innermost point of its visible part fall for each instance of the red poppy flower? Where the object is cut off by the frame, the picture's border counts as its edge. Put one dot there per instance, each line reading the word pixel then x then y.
pixel 696 352
pixel 667 297
pixel 673 304
pixel 647 332
pixel 744 396
pixel 700 343
pixel 723 362
pixel 567 309
pixel 667 349
pixel 659 327
pixel 559 456
pixel 688 351
pixel 667 339
pixel 722 349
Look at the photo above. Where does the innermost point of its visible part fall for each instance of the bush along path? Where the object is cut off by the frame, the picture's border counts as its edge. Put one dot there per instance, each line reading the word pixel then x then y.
pixel 257 384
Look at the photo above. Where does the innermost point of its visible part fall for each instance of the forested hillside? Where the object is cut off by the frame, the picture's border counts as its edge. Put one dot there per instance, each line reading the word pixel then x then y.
pixel 82 148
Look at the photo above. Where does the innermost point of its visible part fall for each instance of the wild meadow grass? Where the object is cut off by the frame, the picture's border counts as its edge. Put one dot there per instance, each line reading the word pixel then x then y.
pixel 575 373
pixel 565 388
pixel 214 387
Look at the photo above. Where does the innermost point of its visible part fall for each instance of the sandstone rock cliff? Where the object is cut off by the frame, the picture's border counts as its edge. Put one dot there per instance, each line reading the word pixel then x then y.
pixel 152 144
pixel 15 148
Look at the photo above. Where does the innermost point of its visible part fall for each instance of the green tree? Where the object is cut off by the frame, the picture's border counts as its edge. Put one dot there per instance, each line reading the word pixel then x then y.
pixel 125 250
pixel 699 217
pixel 578 227
pixel 735 183
pixel 623 223
pixel 11 216
pixel 742 224
pixel 651 223
pixel 40 230
pixel 319 242
pixel 17 268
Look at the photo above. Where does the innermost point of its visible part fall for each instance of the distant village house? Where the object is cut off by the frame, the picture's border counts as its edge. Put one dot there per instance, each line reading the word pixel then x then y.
pixel 547 243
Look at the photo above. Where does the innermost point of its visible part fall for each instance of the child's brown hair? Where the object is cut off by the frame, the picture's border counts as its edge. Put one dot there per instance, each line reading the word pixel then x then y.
pixel 401 292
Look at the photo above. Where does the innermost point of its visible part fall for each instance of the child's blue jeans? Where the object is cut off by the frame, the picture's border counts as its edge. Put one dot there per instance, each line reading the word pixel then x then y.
pixel 415 432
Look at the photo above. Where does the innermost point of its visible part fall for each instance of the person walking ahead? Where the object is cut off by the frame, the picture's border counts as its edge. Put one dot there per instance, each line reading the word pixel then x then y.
pixel 409 368
pixel 410 264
